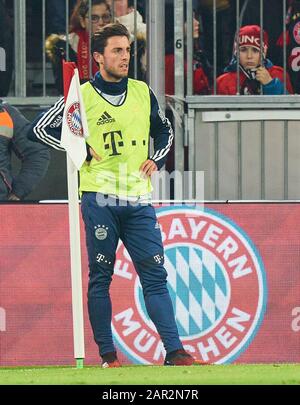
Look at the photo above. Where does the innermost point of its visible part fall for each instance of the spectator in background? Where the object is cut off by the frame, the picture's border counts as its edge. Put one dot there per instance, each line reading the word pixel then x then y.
pixel 201 71
pixel 124 13
pixel 78 40
pixel 225 30
pixel 35 157
pixel 56 13
pixel 255 78
pixel 6 50
pixel 201 68
pixel 272 21
pixel 292 43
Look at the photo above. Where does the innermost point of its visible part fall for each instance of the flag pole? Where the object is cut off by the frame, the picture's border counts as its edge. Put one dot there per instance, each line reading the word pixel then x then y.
pixel 75 252
pixel 74 161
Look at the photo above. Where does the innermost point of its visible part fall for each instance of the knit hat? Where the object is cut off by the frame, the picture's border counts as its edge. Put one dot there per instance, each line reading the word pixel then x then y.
pixel 249 35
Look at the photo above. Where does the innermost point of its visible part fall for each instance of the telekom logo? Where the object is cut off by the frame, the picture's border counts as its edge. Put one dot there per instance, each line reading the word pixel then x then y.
pixel 2 320
pixel 2 60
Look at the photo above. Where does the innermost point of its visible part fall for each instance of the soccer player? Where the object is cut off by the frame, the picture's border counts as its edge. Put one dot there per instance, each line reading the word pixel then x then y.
pixel 115 187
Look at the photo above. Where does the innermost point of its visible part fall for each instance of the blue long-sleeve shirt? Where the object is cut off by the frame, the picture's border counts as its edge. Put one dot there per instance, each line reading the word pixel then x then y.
pixel 47 127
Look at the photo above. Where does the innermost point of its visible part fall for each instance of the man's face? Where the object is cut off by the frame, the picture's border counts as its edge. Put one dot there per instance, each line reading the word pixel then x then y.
pixel 100 17
pixel 249 57
pixel 114 62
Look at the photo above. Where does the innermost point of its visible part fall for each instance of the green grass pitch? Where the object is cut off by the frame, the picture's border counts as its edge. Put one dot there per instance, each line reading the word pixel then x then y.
pixel 256 374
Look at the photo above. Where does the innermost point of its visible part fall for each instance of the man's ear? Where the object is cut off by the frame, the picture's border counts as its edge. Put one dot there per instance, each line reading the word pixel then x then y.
pixel 98 58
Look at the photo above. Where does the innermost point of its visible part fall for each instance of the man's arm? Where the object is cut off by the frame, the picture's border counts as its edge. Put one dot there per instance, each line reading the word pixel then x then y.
pixel 46 128
pixel 161 131
pixel 35 157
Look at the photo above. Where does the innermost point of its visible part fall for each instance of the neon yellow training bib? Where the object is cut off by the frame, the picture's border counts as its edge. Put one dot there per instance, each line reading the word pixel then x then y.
pixel 120 136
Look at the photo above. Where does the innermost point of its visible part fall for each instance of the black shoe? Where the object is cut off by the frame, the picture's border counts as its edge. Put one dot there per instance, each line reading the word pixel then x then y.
pixel 110 360
pixel 179 358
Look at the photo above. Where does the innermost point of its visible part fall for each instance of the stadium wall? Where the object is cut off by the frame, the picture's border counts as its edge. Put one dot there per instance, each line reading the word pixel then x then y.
pixel 233 277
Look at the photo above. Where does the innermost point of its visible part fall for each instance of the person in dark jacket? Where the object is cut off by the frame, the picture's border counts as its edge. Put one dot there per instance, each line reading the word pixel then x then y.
pixel 257 73
pixel 34 156
pixel 6 50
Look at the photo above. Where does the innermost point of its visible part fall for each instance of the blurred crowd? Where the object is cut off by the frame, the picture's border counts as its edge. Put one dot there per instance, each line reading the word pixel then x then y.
pixel 249 60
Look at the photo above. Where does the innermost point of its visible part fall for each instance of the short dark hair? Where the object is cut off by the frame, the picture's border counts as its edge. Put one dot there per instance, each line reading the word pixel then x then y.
pixel 100 38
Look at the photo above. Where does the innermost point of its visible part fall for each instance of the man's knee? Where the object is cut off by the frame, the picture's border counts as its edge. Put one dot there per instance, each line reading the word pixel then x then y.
pixel 100 277
pixel 153 275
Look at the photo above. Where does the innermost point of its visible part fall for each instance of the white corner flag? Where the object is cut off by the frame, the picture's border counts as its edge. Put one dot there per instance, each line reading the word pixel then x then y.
pixel 74 127
pixel 74 132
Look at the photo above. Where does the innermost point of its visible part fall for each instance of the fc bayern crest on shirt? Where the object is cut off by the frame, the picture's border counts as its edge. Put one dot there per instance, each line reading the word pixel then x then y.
pixel 217 284
pixel 74 119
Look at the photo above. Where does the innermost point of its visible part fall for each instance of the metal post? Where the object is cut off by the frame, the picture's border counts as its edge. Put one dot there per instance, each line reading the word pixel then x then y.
pixel 20 47
pixel 190 45
pixel 191 150
pixel 90 40
pixel 215 45
pixel 284 46
pixel 238 25
pixel 43 45
pixel 286 160
pixel 135 39
pixel 156 49
pixel 155 20
pixel 216 156
pixel 263 160
pixel 113 10
pixel 240 161
pixel 179 93
pixel 261 38
pixel 67 31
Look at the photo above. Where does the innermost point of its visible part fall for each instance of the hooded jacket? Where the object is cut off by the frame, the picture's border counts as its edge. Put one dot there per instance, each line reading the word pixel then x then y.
pixel 227 83
pixel 34 157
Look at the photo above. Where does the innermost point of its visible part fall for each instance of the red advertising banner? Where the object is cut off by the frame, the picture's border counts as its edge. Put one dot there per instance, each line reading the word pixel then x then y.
pixel 234 281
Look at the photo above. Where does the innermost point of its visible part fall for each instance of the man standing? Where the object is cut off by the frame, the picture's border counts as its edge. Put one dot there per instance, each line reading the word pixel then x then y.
pixel 115 187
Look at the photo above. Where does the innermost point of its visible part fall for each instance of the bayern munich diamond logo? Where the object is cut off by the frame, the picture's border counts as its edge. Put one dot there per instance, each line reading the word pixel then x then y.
pixel 216 282
pixel 74 119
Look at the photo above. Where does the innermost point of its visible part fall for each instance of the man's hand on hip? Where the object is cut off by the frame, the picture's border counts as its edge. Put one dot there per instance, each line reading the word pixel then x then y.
pixel 94 155
pixel 148 167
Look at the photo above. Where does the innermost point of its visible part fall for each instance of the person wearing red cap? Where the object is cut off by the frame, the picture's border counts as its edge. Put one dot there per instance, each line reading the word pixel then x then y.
pixel 257 73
